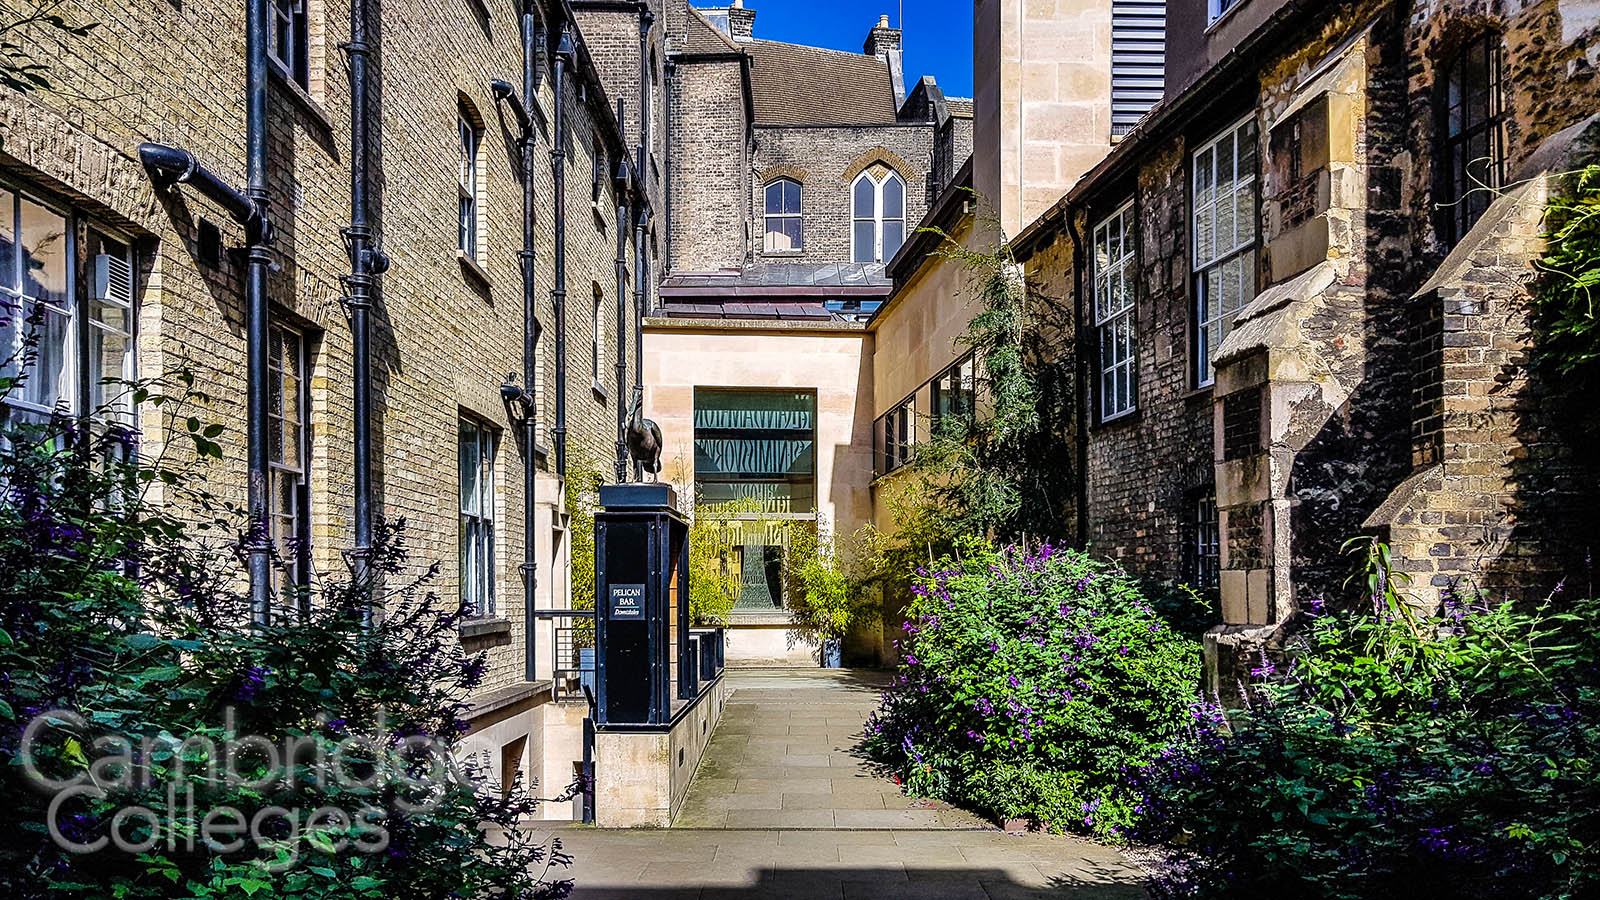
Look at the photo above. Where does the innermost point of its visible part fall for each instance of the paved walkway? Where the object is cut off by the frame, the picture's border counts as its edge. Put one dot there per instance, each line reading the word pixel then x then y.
pixel 782 806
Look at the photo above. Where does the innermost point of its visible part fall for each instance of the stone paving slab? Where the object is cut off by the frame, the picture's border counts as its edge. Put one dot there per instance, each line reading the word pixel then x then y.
pixel 828 863
pixel 784 806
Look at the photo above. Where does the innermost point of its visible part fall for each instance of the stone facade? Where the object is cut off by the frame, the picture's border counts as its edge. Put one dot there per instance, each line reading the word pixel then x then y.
pixel 1357 334
pixel 446 328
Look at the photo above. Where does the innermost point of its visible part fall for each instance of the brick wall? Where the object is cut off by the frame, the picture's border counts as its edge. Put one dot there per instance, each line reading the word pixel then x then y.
pixel 825 160
pixel 445 333
pixel 710 159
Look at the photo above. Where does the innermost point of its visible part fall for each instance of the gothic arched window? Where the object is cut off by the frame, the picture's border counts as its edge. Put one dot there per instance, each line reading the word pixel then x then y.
pixel 878 215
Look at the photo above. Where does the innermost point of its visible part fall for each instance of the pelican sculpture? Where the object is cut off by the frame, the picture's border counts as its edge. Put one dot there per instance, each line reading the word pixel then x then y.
pixel 644 437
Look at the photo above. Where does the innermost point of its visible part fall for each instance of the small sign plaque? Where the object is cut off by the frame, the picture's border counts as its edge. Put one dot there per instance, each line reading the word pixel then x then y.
pixel 627 601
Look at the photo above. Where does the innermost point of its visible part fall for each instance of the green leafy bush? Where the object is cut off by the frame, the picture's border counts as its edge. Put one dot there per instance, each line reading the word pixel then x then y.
pixel 1400 755
pixel 1029 682
pixel 137 700
pixel 827 598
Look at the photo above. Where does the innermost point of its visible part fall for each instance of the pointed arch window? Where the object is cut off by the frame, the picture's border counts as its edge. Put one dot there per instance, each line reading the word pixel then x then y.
pixel 878 215
pixel 784 224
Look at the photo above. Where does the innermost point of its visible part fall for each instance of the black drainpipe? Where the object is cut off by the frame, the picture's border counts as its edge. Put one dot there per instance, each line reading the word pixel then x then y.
pixel 666 125
pixel 169 166
pixel 622 187
pixel 642 179
pixel 558 161
pixel 1080 349
pixel 525 396
pixel 366 262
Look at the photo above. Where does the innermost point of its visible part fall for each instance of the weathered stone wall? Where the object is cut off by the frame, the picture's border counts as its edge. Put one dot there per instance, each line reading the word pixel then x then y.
pixel 825 161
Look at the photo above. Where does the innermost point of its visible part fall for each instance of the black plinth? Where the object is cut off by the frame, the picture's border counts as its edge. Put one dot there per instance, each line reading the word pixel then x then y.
pixel 638 496
pixel 641 605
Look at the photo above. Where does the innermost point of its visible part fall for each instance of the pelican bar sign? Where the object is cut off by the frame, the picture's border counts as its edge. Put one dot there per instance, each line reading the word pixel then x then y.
pixel 627 601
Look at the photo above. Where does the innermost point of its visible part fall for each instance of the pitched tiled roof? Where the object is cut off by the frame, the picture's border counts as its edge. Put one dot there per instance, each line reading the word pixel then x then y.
pixel 703 37
pixel 796 85
pixel 960 107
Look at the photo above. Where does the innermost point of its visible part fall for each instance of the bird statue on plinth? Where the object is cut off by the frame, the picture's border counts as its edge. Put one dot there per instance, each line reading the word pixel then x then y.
pixel 644 437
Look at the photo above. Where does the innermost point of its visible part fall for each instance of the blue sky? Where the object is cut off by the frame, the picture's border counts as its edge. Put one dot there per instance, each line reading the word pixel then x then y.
pixel 937 39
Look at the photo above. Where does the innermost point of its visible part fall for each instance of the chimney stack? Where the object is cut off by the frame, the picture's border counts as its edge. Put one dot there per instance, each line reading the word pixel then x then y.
pixel 741 22
pixel 884 43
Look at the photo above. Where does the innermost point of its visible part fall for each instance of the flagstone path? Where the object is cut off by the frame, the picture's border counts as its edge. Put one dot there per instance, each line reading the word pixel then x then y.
pixel 783 806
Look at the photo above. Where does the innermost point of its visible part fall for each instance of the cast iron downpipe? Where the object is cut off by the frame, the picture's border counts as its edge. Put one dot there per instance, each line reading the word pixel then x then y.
pixel 622 187
pixel 525 396
pixel 558 161
pixel 169 166
pixel 640 257
pixel 1083 395
pixel 258 542
pixel 366 263
pixel 642 214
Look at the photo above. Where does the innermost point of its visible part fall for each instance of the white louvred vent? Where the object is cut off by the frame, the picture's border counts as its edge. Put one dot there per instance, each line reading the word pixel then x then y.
pixel 113 279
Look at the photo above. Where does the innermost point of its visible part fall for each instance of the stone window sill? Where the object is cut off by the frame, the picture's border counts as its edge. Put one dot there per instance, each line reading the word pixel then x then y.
pixel 307 103
pixel 600 394
pixel 474 270
pixel 477 628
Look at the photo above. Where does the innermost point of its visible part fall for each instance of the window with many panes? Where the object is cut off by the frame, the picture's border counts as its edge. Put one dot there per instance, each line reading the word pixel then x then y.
pixel 66 286
pixel 1203 556
pixel 288 446
pixel 785 229
pixel 1224 224
pixel 878 215
pixel 478 444
pixel 289 39
pixel 1113 311
pixel 954 392
pixel 896 434
pixel 467 182
pixel 1472 111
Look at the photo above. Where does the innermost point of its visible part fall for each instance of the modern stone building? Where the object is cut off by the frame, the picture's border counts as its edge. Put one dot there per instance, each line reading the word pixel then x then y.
pixel 1299 286
pixel 797 173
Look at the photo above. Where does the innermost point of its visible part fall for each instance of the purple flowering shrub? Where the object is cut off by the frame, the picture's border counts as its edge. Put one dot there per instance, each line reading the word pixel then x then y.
pixel 120 621
pixel 1029 681
pixel 1397 754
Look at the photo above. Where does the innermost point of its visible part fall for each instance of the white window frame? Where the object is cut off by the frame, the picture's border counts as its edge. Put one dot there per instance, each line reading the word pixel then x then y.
pixel 1216 9
pixel 768 245
pixel 1113 312
pixel 476 542
pixel 75 311
pixel 1217 263
pixel 878 219
pixel 469 209
pixel 282 473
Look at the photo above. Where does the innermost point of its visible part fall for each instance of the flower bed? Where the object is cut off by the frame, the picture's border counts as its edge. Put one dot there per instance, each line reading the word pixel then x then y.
pixel 1030 681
